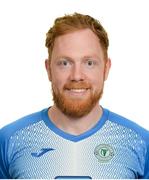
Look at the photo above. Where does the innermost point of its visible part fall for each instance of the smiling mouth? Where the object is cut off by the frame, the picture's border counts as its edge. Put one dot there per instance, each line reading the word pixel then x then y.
pixel 77 92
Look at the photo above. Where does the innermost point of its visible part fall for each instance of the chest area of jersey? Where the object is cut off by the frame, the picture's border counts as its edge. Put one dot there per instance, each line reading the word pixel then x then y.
pixel 96 158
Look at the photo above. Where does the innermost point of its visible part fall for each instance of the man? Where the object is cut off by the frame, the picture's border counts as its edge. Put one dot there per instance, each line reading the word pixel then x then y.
pixel 76 137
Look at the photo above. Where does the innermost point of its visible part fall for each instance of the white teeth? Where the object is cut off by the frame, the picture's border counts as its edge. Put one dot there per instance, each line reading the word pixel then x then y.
pixel 78 90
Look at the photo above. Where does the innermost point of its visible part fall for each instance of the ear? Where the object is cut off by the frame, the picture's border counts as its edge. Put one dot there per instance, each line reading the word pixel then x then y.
pixel 107 68
pixel 48 69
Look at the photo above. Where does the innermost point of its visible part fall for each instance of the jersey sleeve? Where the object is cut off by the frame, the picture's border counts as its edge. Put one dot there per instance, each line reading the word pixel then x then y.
pixel 3 158
pixel 146 170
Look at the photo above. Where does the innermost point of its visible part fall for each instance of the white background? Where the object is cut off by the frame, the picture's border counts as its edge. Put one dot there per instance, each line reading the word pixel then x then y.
pixel 24 86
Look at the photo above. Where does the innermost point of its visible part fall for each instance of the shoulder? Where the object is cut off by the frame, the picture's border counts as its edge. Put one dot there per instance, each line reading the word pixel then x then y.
pixel 137 130
pixel 129 124
pixel 12 132
pixel 19 124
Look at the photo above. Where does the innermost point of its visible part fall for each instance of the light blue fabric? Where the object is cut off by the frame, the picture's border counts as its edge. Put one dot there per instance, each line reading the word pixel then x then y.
pixel 33 147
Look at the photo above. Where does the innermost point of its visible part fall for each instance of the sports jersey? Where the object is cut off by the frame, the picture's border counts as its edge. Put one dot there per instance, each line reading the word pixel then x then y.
pixel 33 147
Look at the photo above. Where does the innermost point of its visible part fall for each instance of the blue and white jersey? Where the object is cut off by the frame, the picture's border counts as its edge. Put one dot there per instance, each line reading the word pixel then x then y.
pixel 33 147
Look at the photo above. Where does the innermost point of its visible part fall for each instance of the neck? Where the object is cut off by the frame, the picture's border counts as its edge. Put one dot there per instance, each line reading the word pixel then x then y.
pixel 75 126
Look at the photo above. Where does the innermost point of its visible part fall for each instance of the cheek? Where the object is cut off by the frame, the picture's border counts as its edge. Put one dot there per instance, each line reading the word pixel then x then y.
pixel 97 82
pixel 58 82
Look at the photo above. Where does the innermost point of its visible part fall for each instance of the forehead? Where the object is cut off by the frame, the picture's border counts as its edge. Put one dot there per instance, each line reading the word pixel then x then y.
pixel 81 43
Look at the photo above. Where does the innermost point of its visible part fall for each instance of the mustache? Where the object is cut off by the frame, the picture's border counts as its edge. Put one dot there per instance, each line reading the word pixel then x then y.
pixel 77 85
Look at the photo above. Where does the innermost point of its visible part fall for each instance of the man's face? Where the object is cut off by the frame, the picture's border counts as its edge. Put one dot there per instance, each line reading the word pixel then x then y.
pixel 77 72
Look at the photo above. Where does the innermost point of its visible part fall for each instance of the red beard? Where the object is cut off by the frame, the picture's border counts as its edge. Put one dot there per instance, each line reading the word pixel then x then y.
pixel 76 108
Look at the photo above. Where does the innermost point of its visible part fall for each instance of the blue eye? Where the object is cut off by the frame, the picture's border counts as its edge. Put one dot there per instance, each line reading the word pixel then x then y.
pixel 64 63
pixel 90 63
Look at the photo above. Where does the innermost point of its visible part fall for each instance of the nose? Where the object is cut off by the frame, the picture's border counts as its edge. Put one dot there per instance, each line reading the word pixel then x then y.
pixel 76 73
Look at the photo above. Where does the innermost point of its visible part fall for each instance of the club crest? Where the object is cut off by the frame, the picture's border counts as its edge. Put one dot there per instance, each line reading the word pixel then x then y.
pixel 104 153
